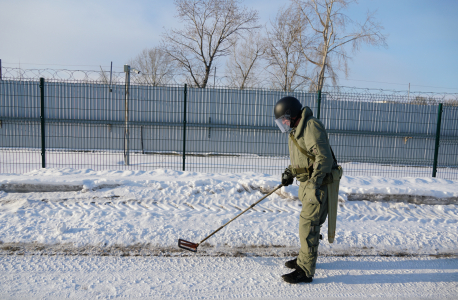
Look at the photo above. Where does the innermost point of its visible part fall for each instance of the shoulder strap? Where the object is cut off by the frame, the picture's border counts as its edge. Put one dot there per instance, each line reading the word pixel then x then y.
pixel 291 135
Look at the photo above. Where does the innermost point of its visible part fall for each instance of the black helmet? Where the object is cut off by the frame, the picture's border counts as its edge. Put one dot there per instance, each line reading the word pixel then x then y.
pixel 287 106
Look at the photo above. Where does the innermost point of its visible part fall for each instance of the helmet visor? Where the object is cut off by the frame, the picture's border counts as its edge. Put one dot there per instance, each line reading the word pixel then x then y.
pixel 284 123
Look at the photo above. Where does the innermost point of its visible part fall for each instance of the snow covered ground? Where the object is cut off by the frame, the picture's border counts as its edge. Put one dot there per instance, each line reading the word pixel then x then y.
pixel 76 277
pixel 114 234
pixel 120 211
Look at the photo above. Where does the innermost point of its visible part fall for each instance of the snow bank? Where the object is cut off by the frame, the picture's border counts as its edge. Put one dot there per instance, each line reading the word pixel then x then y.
pixel 132 212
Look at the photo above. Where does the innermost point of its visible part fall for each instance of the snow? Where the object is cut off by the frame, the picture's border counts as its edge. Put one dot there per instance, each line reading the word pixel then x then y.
pixel 81 233
pixel 76 209
pixel 99 277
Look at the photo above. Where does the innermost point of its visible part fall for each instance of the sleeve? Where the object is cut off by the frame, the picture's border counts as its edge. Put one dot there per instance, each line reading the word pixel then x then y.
pixel 317 143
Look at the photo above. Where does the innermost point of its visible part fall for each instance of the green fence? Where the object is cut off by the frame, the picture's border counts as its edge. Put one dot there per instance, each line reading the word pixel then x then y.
pixel 91 124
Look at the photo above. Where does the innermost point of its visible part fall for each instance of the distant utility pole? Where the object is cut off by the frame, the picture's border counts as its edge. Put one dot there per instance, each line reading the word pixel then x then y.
pixel 408 94
pixel 127 70
pixel 111 76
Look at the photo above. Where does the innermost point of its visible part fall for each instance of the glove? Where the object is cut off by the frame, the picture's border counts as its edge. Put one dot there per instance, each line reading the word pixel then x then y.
pixel 287 177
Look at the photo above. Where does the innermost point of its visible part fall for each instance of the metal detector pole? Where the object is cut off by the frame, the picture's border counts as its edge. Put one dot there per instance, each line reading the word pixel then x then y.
pixel 126 116
pixel 250 207
pixel 183 244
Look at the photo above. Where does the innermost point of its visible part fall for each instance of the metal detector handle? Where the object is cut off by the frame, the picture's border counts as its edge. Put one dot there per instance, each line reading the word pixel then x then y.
pixel 251 206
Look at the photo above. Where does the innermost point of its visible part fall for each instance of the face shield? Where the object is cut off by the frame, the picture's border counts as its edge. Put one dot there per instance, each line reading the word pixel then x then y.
pixel 284 123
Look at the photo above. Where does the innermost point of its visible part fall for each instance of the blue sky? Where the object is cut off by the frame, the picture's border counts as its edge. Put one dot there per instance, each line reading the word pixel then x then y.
pixel 422 41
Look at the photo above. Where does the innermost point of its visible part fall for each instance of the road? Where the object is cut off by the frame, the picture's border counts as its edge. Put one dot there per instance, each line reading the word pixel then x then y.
pixel 204 277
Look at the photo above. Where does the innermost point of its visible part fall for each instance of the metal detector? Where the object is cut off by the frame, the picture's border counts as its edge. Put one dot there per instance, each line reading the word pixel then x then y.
pixel 193 246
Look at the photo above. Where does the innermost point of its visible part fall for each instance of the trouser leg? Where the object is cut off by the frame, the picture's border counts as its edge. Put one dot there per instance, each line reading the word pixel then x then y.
pixel 311 218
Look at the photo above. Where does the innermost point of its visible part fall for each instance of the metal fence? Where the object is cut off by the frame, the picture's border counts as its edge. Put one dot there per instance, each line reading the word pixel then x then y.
pixel 62 124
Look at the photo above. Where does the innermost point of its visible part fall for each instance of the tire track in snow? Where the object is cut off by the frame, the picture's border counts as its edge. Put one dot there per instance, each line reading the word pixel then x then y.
pixel 351 211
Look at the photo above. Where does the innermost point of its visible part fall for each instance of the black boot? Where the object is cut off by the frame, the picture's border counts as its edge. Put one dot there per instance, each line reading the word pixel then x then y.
pixel 297 276
pixel 292 264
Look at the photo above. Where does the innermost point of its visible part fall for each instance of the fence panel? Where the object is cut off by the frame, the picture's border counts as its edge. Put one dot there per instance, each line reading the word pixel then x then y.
pixel 227 130
pixel 448 147
pixel 381 133
pixel 20 137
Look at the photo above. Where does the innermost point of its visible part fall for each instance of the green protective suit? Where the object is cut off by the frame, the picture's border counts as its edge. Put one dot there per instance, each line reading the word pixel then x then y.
pixel 311 136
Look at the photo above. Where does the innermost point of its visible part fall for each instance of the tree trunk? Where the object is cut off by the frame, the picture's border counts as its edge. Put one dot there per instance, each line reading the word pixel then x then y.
pixel 325 49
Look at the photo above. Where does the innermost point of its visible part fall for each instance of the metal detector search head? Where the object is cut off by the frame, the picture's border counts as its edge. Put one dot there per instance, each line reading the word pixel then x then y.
pixel 187 245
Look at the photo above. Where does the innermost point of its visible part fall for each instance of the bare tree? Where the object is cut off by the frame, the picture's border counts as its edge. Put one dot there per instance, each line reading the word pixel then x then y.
pixel 243 66
pixel 325 33
pixel 210 29
pixel 422 100
pixel 452 102
pixel 285 64
pixel 104 76
pixel 155 65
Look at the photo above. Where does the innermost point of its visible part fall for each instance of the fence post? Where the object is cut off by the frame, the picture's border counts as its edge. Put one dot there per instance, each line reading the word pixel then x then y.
pixel 126 116
pixel 319 105
pixel 42 119
pixel 184 125
pixel 438 133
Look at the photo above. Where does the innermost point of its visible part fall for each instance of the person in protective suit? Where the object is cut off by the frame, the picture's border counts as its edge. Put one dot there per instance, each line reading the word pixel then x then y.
pixel 311 162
